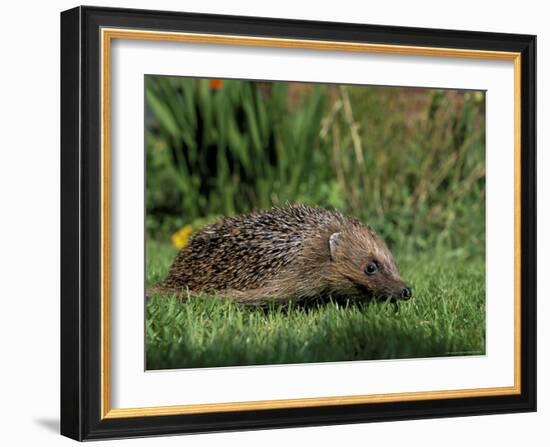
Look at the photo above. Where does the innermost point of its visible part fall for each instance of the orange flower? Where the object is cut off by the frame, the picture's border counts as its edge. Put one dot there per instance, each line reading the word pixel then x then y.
pixel 216 84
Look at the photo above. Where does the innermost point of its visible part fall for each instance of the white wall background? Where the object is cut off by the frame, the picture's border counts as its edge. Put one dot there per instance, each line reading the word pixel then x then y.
pixel 29 227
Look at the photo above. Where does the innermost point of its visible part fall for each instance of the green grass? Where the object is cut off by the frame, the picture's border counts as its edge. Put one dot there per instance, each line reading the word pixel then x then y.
pixel 445 317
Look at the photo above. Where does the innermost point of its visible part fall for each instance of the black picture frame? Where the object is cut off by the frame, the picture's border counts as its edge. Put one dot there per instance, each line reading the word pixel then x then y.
pixel 81 223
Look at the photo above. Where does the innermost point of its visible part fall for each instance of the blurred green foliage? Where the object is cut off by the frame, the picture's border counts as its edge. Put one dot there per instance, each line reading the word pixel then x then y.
pixel 410 162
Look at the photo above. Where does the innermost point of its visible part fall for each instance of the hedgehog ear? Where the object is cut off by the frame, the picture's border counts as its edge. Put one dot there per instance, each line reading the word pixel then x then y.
pixel 332 244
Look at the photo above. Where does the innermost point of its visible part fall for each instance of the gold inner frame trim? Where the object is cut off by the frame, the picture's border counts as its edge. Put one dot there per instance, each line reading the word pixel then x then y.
pixel 107 35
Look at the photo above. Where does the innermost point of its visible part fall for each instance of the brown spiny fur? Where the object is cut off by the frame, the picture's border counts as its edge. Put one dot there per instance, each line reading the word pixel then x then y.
pixel 295 252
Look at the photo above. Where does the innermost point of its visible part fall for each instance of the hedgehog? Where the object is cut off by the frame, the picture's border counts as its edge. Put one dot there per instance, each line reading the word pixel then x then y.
pixel 295 252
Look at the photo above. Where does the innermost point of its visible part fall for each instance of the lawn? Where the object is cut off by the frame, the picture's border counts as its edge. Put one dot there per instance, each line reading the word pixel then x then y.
pixel 445 317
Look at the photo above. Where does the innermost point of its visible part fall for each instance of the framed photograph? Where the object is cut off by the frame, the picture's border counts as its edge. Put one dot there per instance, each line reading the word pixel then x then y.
pixel 275 223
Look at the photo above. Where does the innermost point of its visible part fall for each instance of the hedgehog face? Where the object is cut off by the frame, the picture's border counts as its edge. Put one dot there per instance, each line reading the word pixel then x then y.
pixel 361 264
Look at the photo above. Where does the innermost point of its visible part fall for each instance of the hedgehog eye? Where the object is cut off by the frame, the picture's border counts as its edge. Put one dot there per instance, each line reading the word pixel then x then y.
pixel 371 268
